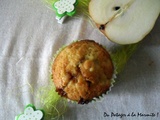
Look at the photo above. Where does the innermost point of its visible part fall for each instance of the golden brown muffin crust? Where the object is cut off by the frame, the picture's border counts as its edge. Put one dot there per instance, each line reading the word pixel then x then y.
pixel 82 71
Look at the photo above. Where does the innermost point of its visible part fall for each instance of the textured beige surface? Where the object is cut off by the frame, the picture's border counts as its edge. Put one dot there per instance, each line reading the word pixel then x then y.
pixel 30 36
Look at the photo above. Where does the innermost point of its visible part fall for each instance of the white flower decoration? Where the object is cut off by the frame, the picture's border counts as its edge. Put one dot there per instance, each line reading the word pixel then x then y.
pixel 63 6
pixel 30 114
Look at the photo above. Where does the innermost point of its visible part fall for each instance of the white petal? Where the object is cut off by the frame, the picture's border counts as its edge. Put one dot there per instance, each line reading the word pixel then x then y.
pixel 28 110
pixel 38 114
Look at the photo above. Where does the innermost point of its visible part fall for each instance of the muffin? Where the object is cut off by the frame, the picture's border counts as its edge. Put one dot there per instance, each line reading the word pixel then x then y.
pixel 82 71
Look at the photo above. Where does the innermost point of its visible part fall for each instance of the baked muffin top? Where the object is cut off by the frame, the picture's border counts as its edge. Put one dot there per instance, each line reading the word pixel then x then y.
pixel 82 71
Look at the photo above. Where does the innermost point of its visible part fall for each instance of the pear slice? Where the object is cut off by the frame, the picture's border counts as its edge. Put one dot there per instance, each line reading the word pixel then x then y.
pixel 125 21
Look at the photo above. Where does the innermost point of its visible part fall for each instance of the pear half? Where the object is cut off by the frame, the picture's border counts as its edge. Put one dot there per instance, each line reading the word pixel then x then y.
pixel 125 21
